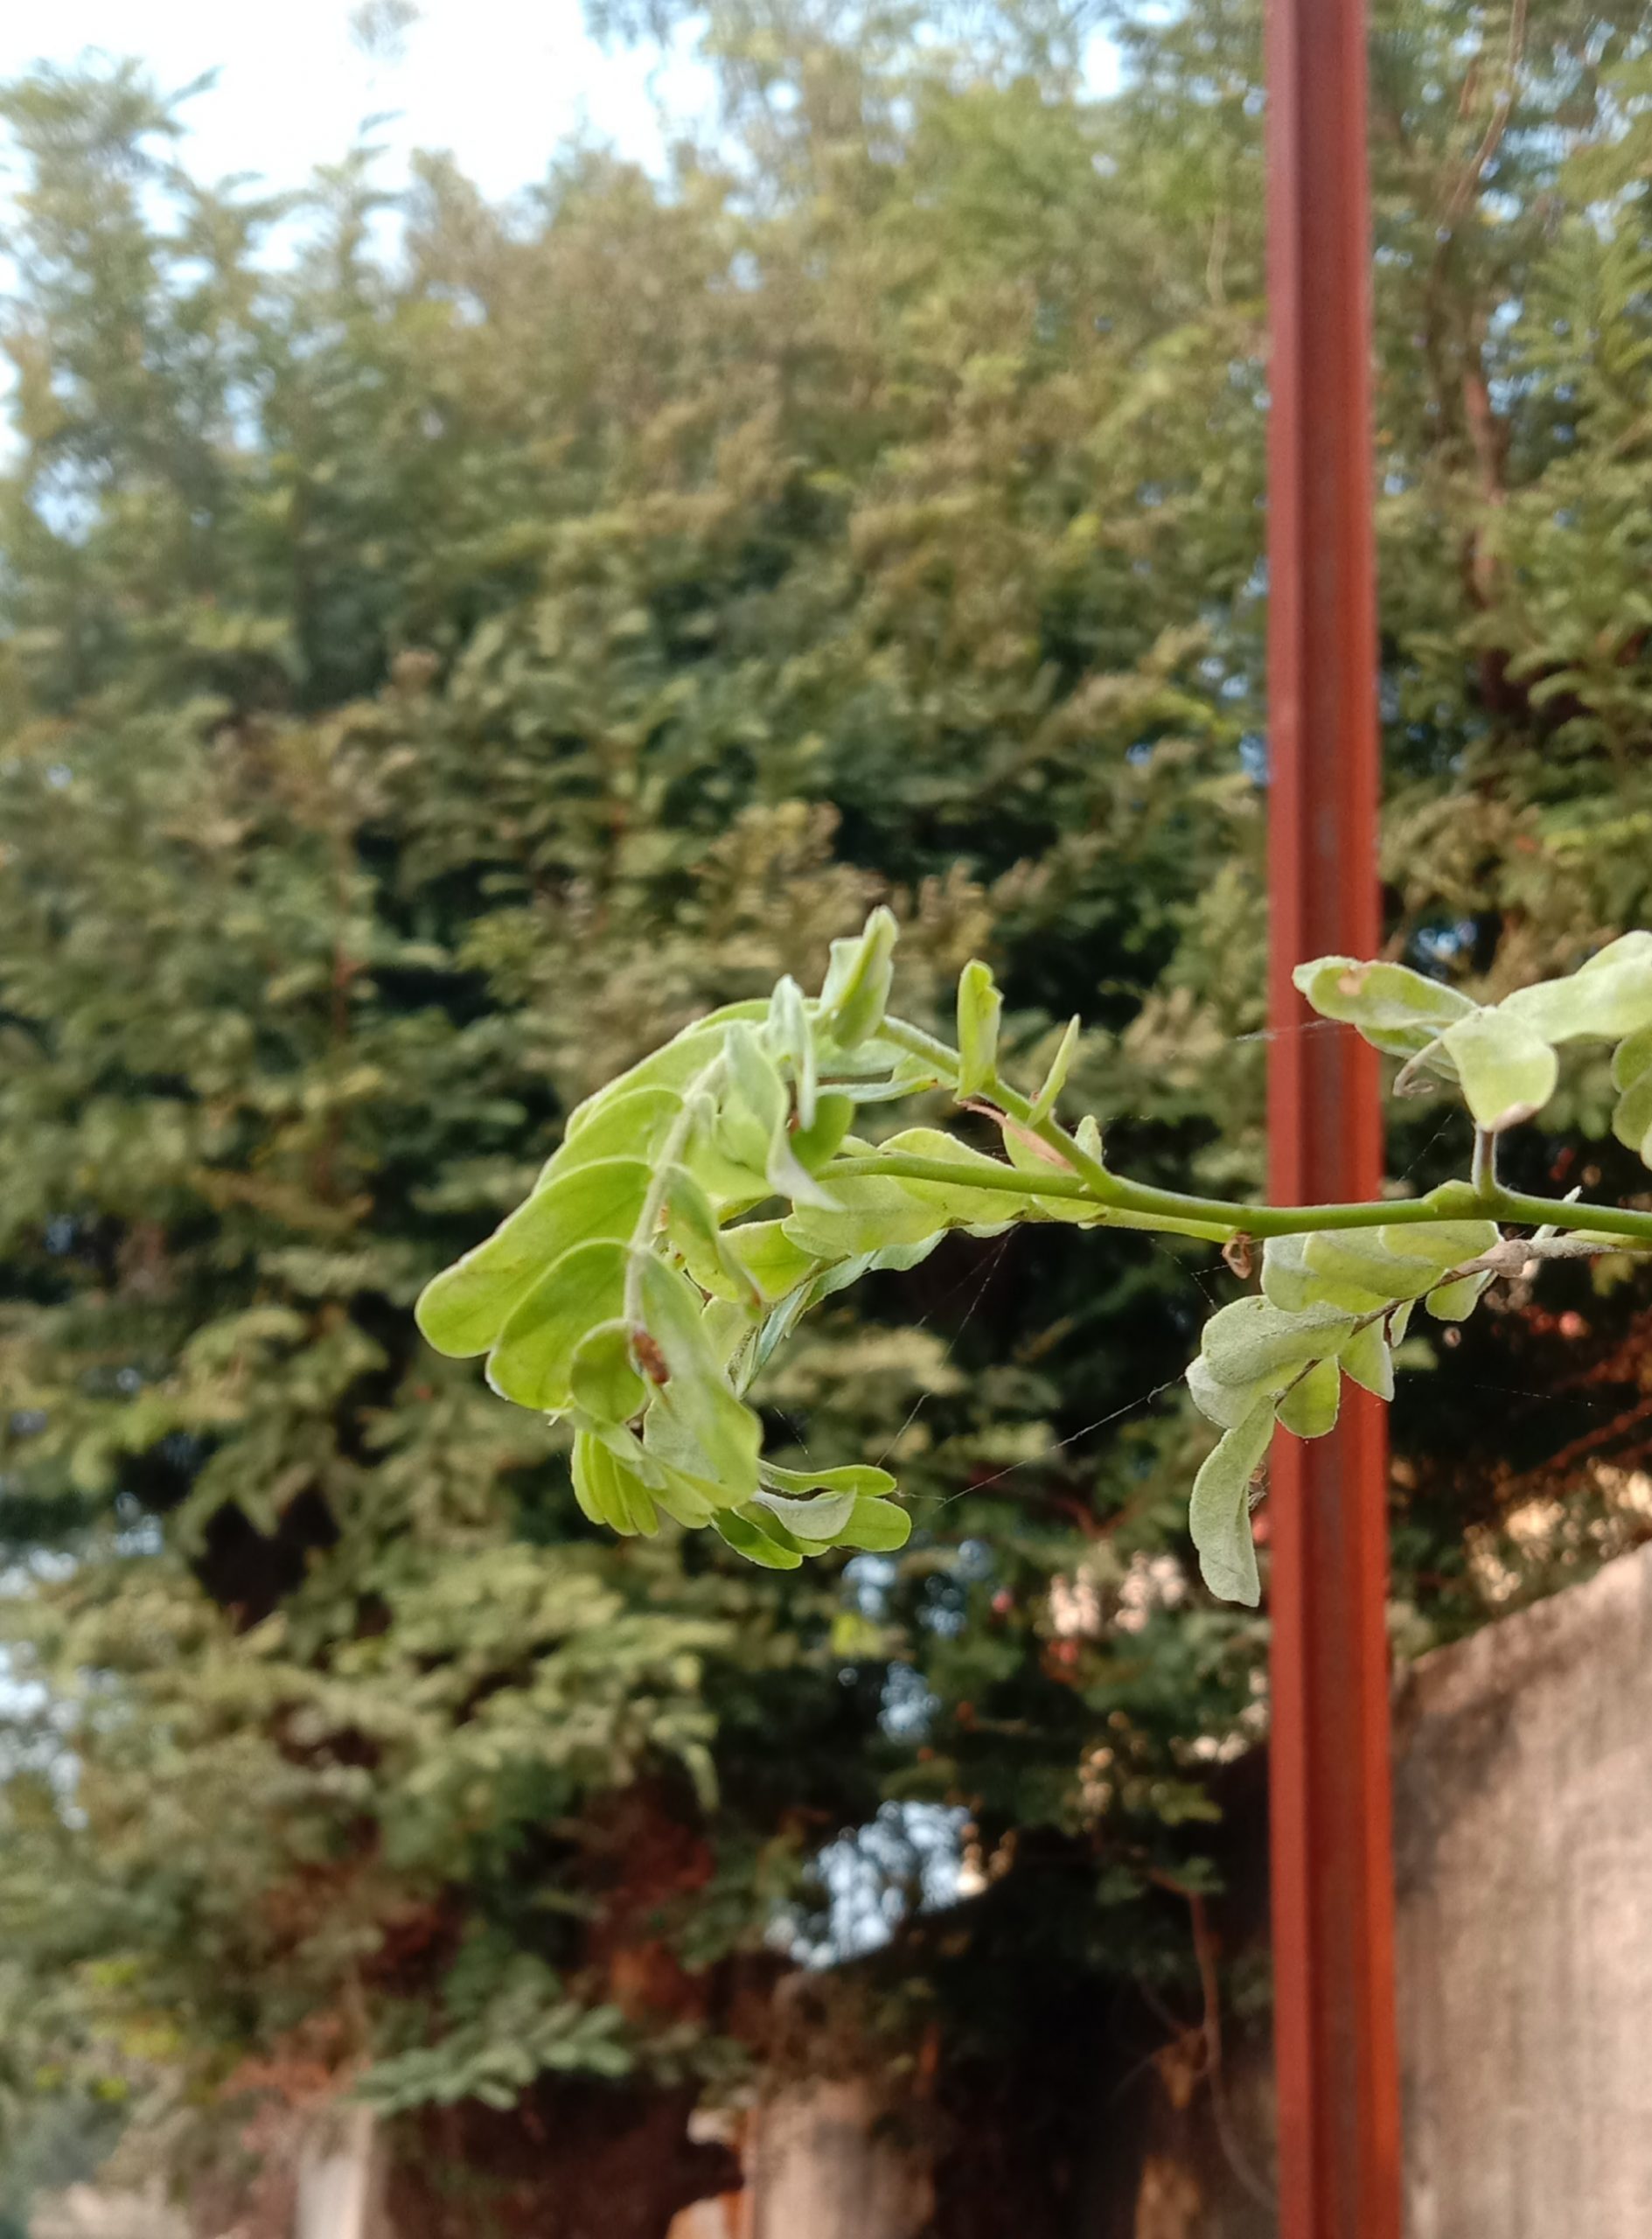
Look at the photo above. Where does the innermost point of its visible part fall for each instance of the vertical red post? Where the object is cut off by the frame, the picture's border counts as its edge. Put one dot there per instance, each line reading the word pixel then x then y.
pixel 1333 1894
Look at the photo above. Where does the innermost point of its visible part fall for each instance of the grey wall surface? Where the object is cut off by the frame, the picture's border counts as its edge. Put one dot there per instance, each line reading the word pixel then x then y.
pixel 1523 1839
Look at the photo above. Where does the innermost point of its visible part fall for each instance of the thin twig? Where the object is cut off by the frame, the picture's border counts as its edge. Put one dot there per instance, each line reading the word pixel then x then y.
pixel 1210 1983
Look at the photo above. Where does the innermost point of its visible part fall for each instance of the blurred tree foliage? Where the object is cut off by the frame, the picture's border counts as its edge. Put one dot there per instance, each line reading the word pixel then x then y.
pixel 443 648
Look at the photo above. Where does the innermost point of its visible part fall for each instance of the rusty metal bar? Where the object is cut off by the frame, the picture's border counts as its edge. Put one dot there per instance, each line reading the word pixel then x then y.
pixel 1331 1867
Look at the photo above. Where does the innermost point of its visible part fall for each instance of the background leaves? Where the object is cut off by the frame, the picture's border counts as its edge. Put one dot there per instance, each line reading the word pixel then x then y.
pixel 428 681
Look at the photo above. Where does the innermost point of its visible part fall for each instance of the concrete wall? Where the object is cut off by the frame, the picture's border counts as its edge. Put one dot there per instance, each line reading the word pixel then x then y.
pixel 819 2164
pixel 1523 1836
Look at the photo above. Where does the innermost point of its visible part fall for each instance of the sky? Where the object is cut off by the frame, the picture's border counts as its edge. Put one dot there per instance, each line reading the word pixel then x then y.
pixel 498 82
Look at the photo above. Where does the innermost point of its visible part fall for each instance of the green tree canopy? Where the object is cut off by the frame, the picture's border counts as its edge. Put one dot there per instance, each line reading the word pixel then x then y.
pixel 444 648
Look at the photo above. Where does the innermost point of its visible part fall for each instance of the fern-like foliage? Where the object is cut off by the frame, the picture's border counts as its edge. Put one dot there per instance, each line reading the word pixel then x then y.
pixel 701 1203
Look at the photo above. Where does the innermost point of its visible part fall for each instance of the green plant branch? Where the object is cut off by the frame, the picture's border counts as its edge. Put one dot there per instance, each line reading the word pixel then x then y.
pixel 1568 1214
pixel 534 1295
pixel 1103 1185
pixel 1219 1219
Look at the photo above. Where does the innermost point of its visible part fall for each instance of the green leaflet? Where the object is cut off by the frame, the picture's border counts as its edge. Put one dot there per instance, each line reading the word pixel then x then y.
pixel 1248 1342
pixel 872 1211
pixel 602 1378
pixel 1290 1284
pixel 1397 1009
pixel 875 1211
pixel 724 1436
pixel 753 1108
pixel 753 1125
pixel 979 1009
pixel 1632 1058
pixel 1636 946
pixel 833 1116
pixel 856 992
pixel 1309 1409
pixel 1456 1302
pixel 609 1492
pixel 774 1263
pixel 671 1066
pixel 670 1452
pixel 1056 1078
pixel 693 1228
pixel 1441 1243
pixel 633 1126
pixel 1360 1259
pixel 1632 1121
pixel 1227 1404
pixel 1610 997
pixel 766 1541
pixel 1368 1359
pixel 463 1310
pixel 860 1478
pixel 532 1362
pixel 820 1519
pixel 673 1490
pixel 1508 1071
pixel 877 1527
pixel 732 1187
pixel 792 1039
pixel 1219 1513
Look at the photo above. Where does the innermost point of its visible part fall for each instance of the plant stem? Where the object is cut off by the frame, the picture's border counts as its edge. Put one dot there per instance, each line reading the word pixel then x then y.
pixel 1570 1214
pixel 1215 1217
pixel 659 1186
pixel 1103 1185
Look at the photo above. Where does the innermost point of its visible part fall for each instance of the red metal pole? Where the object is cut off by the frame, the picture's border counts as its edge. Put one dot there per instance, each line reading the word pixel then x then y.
pixel 1332 1863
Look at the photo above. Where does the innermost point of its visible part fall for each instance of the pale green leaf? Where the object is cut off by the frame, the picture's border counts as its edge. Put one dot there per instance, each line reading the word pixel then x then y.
pixel 602 1379
pixel 1632 1121
pixel 672 1066
pixel 1508 1071
pixel 1309 1409
pixel 1227 1404
pixel 1056 1078
pixel 791 1037
pixel 768 1543
pixel 1441 1243
pixel 979 1009
pixel 1394 1007
pixel 833 1116
pixel 1456 1302
pixel 1609 998
pixel 860 1478
pixel 820 1519
pixel 463 1310
pixel 1246 1343
pixel 1631 1059
pixel 877 1527
pixel 695 1393
pixel 856 992
pixel 1219 1513
pixel 1358 1257
pixel 1368 1359
pixel 694 1230
pixel 774 1263
pixel 872 1211
pixel 633 1126
pixel 1288 1282
pixel 609 1492
pixel 534 1357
